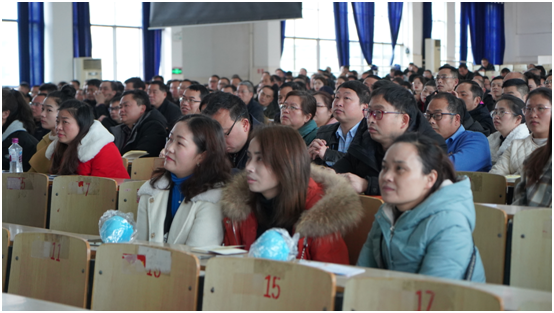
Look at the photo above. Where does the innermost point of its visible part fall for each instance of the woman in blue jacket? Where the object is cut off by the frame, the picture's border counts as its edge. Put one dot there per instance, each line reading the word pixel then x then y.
pixel 425 225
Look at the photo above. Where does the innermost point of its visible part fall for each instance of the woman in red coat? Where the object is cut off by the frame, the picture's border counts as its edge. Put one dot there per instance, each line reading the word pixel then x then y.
pixel 279 188
pixel 83 146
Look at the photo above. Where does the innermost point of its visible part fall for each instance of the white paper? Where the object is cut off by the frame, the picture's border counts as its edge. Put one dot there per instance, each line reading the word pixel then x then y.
pixel 156 259
pixel 336 269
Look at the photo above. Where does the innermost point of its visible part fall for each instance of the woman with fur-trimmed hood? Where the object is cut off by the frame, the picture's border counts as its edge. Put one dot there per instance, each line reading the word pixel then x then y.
pixel 279 188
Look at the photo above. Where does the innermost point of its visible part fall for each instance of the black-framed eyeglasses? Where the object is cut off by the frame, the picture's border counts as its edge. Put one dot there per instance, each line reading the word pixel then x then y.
pixel 436 116
pixel 377 114
pixel 112 109
pixel 236 119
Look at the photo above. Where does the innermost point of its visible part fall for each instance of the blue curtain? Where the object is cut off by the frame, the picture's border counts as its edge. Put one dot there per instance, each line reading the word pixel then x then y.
pixel 364 15
pixel 395 16
pixel 341 32
pixel 463 31
pixel 283 25
pixel 82 41
pixel 486 26
pixel 151 45
pixel 30 24
pixel 427 24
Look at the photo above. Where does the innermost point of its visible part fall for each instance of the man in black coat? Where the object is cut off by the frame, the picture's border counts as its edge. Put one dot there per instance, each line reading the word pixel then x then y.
pixel 471 93
pixel 464 73
pixel 392 112
pixel 142 128
pixel 332 141
pixel 238 125
pixel 245 91
pixel 157 93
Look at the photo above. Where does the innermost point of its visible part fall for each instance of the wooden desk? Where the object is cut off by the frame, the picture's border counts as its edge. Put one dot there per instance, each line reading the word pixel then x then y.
pixel 19 303
pixel 514 298
pixel 510 210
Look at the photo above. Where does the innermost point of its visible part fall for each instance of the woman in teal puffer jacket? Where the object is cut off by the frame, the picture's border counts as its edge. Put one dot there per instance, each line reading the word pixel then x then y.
pixel 425 225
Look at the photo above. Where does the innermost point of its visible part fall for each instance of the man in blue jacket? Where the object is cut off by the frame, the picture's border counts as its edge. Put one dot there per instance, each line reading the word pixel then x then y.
pixel 469 151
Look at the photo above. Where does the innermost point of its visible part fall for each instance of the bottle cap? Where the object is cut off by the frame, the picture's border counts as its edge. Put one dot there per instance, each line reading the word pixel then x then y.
pixel 15 140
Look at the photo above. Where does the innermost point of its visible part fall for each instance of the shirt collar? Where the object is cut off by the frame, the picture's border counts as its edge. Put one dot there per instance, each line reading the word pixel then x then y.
pixel 457 133
pixel 351 132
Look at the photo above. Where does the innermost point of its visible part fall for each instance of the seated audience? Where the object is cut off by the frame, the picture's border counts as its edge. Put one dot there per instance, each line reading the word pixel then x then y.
pixel 447 78
pixel 429 89
pixel 113 119
pixel 464 73
pixel 535 188
pixel 548 81
pixel 108 89
pixel 180 203
pixel 212 82
pixel 298 112
pixel 392 111
pixel 84 146
pixel 190 101
pixel 468 150
pixel 245 91
pixel 418 82
pixel 39 163
pixel 496 88
pixel 185 83
pixel 142 127
pixel 279 188
pixel 485 65
pixel 223 81
pixel 173 88
pixel 510 125
pixel 267 97
pixel 332 141
pixel 134 83
pixel 229 89
pixel 36 109
pixel 533 81
pixel 538 117
pixel 430 212
pixel 232 114
pixel 318 81
pixel 471 94
pixel 324 112
pixel 17 122
pixel 49 87
pixel 158 96
pixel 515 87
pixel 368 81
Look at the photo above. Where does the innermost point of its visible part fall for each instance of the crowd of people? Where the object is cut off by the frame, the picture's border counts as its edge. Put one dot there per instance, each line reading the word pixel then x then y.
pixel 295 153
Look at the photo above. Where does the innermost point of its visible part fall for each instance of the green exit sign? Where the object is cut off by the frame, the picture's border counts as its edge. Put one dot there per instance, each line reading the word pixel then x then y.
pixel 176 70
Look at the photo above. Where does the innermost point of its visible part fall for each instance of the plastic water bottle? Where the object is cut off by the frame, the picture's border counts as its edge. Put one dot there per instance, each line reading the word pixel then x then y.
pixel 16 157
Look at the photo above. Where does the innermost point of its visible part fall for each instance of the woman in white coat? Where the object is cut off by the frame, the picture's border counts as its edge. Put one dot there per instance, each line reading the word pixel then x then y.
pixel 538 117
pixel 509 122
pixel 180 204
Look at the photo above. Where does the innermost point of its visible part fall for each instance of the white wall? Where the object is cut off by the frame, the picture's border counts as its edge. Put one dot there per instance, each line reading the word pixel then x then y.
pixel 244 49
pixel 528 30
pixel 58 41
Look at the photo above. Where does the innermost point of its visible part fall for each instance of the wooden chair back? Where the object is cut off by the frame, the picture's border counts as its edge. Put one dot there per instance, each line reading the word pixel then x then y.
pixel 531 259
pixel 142 168
pixel 405 294
pixel 5 245
pixel 52 267
pixel 125 164
pixel 133 277
pixel 78 202
pixel 25 199
pixel 356 238
pixel 490 238
pixel 264 285
pixel 487 187
pixel 128 199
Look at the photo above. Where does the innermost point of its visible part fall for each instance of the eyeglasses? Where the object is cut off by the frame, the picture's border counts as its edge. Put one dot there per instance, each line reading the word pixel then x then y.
pixel 183 99
pixel 35 104
pixel 377 114
pixel 540 110
pixel 288 107
pixel 548 82
pixel 111 109
pixel 236 119
pixel 500 113
pixel 443 77
pixel 436 116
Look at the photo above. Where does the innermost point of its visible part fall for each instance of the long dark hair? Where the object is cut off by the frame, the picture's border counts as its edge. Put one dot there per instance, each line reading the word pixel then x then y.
pixel 432 158
pixel 284 151
pixel 65 159
pixel 215 167
pixel 20 110
pixel 534 164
